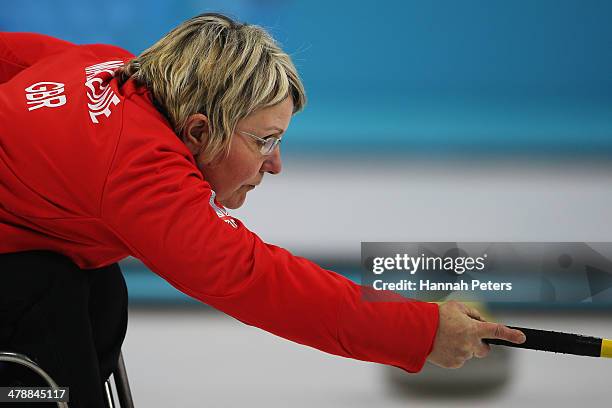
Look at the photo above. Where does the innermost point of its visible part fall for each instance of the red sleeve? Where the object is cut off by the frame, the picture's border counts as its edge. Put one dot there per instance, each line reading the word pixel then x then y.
pixel 18 51
pixel 157 204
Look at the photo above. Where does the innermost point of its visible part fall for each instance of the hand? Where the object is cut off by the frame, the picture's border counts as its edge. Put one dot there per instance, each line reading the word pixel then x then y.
pixel 460 333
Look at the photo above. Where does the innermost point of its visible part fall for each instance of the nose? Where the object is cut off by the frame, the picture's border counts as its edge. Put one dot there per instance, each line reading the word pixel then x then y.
pixel 272 163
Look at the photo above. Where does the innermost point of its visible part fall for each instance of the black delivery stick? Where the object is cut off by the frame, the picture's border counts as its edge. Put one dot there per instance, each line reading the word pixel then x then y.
pixel 557 342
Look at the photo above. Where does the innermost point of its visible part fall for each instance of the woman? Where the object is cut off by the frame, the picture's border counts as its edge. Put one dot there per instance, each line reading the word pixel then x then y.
pixel 105 155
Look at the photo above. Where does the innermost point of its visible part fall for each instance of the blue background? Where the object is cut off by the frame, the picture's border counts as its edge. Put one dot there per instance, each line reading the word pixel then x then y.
pixel 435 77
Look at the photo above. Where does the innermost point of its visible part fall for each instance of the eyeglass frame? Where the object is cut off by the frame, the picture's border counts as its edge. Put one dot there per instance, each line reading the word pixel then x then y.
pixel 263 141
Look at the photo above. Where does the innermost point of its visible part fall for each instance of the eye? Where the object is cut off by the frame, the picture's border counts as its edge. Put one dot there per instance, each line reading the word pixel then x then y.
pixel 270 140
pixel 270 143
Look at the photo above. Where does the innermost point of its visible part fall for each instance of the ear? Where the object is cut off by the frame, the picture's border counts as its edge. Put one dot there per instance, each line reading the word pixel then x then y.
pixel 195 133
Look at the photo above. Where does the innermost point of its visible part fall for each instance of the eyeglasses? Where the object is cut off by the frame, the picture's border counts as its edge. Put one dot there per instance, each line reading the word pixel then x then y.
pixel 267 145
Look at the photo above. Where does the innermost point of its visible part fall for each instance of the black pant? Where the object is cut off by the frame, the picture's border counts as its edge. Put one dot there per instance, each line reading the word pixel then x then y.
pixel 71 321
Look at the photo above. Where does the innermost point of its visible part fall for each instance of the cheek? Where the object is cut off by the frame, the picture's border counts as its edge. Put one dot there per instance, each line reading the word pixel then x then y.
pixel 234 176
pixel 239 175
pixel 240 167
pixel 243 168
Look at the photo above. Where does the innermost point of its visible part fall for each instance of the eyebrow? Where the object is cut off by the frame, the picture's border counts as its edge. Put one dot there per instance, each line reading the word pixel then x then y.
pixel 274 128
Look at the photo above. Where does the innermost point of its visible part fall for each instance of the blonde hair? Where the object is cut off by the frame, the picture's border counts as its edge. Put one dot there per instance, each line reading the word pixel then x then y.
pixel 212 65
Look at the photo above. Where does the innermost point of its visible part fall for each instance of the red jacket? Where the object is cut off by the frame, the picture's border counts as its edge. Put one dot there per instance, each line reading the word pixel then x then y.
pixel 94 172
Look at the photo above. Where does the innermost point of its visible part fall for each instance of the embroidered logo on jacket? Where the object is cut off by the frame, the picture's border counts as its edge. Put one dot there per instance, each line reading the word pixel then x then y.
pixel 101 96
pixel 222 212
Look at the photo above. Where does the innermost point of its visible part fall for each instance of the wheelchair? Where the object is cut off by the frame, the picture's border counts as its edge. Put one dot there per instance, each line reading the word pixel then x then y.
pixel 119 376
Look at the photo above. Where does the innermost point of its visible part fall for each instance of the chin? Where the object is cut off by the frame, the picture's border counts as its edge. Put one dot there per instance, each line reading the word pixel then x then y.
pixel 234 202
pixel 232 206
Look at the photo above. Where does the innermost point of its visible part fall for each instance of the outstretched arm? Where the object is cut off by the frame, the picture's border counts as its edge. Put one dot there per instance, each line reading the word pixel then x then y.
pixel 158 206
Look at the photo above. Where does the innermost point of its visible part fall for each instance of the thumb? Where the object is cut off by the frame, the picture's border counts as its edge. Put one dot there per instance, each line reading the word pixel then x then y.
pixel 490 330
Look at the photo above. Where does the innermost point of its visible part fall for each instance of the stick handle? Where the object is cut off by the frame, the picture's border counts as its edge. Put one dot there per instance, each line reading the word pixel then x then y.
pixel 558 342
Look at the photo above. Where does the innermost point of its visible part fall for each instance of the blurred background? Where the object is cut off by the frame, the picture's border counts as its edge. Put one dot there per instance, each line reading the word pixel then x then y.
pixel 427 120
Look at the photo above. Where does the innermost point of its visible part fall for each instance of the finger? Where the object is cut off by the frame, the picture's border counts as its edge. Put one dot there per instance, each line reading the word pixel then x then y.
pixel 457 364
pixel 489 330
pixel 474 314
pixel 482 350
pixel 465 355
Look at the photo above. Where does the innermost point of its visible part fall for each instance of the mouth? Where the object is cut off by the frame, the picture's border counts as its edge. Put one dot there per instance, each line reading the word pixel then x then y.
pixel 251 186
